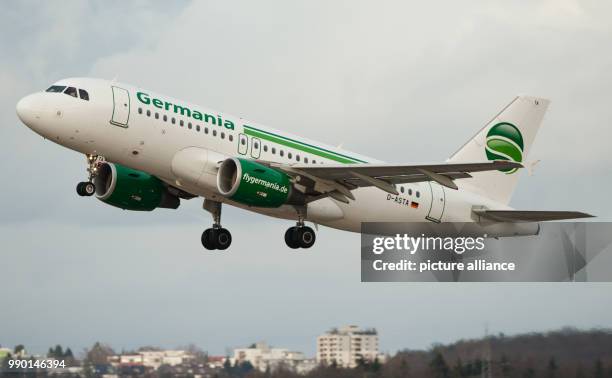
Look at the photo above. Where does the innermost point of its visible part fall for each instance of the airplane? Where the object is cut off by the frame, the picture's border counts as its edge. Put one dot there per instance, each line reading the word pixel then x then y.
pixel 145 150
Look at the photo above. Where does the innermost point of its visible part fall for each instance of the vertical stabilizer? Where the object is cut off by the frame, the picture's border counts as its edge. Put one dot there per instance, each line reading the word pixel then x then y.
pixel 508 136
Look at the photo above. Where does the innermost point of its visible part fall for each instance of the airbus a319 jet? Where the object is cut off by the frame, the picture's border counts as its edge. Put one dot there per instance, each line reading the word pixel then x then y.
pixel 145 150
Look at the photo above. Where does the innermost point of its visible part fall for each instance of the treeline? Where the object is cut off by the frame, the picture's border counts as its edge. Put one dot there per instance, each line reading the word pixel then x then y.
pixel 567 353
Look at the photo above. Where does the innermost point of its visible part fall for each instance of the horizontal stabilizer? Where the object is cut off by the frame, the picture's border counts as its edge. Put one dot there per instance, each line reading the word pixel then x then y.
pixel 529 216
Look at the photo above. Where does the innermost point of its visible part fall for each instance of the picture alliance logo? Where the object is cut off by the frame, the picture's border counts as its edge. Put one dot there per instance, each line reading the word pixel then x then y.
pixel 505 142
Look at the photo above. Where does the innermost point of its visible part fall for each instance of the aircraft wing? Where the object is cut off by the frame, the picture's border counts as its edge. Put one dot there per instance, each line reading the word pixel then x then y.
pixel 337 181
pixel 529 216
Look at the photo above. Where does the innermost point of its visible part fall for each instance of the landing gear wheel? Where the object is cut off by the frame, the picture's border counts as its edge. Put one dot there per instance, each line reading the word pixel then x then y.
pixel 209 238
pixel 85 189
pixel 291 238
pixel 89 188
pixel 224 239
pixel 306 237
pixel 300 237
pixel 216 238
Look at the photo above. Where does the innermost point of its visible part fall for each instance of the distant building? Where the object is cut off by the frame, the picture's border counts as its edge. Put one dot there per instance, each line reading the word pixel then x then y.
pixel 262 357
pixel 216 362
pixel 130 359
pixel 305 366
pixel 347 345
pixel 155 359
pixel 152 358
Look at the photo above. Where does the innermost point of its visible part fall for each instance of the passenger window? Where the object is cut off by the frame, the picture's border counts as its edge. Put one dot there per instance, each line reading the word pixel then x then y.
pixel 206 130
pixel 181 123
pixel 165 118
pixel 409 192
pixel 231 137
pixel 148 113
pixel 156 115
pixel 189 125
pixel 265 148
pixel 402 189
pixel 418 194
pixel 289 155
pixel 222 135
pixel 71 91
pixel 56 88
pixel 273 150
pixel 214 132
pixel 255 145
pixel 173 120
pixel 297 157
pixel 306 159
pixel 281 153
pixel 314 161
pixel 198 128
pixel 139 110
pixel 84 95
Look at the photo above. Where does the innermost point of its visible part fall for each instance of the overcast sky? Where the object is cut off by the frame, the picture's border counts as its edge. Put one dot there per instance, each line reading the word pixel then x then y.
pixel 399 81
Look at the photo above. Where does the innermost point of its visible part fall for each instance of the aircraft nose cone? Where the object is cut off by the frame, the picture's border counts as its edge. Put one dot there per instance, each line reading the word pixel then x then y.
pixel 27 110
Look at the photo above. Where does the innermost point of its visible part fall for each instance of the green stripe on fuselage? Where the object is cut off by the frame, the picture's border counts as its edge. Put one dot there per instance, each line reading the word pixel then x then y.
pixel 257 133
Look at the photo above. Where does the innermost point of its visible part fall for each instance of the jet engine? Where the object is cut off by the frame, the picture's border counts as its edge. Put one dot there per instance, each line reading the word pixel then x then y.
pixel 254 184
pixel 130 189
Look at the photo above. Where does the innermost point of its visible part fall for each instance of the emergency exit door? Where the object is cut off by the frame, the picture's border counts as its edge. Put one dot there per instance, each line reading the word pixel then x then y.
pixel 438 200
pixel 121 107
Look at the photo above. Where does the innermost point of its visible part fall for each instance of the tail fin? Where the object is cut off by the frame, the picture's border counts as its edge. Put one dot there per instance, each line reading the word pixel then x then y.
pixel 508 136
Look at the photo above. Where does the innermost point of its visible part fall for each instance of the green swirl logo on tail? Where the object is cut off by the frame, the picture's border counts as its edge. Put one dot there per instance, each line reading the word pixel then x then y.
pixel 505 142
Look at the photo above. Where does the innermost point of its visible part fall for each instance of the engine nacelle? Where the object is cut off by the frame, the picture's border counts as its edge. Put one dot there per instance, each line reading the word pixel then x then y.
pixel 130 189
pixel 253 184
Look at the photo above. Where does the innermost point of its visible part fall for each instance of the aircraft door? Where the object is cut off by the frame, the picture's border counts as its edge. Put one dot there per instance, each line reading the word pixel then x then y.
pixel 255 148
pixel 121 107
pixel 438 199
pixel 243 144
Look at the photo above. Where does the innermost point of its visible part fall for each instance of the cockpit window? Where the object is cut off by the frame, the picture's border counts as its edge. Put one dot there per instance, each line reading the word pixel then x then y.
pixel 84 95
pixel 71 91
pixel 56 88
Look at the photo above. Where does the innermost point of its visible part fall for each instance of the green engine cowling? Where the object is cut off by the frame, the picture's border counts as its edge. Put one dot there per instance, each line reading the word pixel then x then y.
pixel 130 189
pixel 250 183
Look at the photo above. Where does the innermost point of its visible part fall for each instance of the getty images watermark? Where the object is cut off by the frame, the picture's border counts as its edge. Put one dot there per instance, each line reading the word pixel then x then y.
pixel 411 245
pixel 456 252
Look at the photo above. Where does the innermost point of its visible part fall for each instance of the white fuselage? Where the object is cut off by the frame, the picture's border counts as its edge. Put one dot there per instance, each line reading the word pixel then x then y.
pixel 145 131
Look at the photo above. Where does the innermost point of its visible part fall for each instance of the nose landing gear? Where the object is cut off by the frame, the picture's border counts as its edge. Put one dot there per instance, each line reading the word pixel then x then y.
pixel 87 188
pixel 216 237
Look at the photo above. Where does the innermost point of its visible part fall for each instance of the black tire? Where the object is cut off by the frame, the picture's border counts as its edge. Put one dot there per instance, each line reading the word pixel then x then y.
pixel 223 239
pixel 306 237
pixel 89 189
pixel 80 189
pixel 291 238
pixel 209 239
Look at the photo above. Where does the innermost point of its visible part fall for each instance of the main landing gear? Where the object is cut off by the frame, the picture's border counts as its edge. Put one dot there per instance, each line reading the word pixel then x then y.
pixel 87 188
pixel 300 236
pixel 216 237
